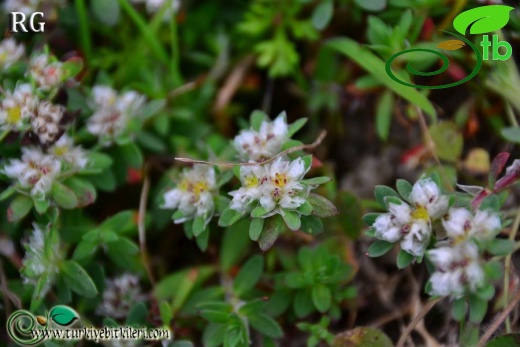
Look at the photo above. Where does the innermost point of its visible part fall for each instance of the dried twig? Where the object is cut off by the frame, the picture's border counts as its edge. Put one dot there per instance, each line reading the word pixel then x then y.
pixel 499 320
pixel 416 321
pixel 311 146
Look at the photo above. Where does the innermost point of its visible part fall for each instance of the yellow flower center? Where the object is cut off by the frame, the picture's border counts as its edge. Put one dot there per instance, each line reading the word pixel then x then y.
pixel 14 114
pixel 280 180
pixel 420 213
pixel 251 181
pixel 60 150
pixel 193 187
pixel 200 187
pixel 3 58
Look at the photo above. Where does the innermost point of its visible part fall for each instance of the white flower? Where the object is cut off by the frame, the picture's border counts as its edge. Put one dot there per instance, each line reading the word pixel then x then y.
pixel 65 150
pixel 458 270
pixel 120 295
pixel 28 7
pixel 46 73
pixel 193 196
pixel 461 224
pixel 41 257
pixel 18 107
pixel 386 229
pixel 283 189
pixel 112 112
pixel 416 237
pixel 427 195
pixel 252 179
pixel 35 171
pixel 10 53
pixel 46 122
pixel 263 144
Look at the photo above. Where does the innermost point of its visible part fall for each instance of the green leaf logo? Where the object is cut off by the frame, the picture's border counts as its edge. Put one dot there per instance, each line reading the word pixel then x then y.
pixel 483 19
pixel 63 315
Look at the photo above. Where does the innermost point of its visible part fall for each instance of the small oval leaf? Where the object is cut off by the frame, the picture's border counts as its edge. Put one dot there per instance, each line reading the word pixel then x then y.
pixel 482 19
pixel 451 45
pixel 63 315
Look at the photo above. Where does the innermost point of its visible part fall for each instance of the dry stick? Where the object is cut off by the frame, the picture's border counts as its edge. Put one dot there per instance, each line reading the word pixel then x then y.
pixel 498 321
pixel 141 227
pixel 507 266
pixel 313 145
pixel 416 321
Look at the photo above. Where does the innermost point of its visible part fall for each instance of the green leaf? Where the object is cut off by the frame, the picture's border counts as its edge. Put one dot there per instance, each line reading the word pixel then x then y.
pixel 296 126
pixel 249 275
pixel 7 193
pixel 64 196
pixel 379 248
pixel 273 227
pixel 321 207
pixel 376 67
pixel 294 280
pixel 381 192
pixel 235 244
pixel 229 217
pixel 322 15
pixel 107 12
pixel 384 111
pixel 458 309
pixel 404 188
pixel 83 189
pixel 292 220
pixel 252 308
pixel 477 309
pixel 256 227
pixel 63 315
pixel 370 218
pixel 316 181
pixel 99 161
pixel 84 249
pixel 19 208
pixel 213 335
pixel 487 292
pixel 131 154
pixel 501 247
pixel 305 208
pixel 507 340
pixel 152 108
pixel 321 297
pixel 511 134
pixel 256 119
pixel 482 19
pixel 311 225
pixel 258 211
pixel 137 315
pixel 265 325
pixel 199 225
pixel 121 222
pixel 493 270
pixel 77 279
pixel 41 205
pixel 303 304
pixel 165 311
pixel 150 141
pixel 72 67
pixel 371 5
pixel 404 259
pixel 448 141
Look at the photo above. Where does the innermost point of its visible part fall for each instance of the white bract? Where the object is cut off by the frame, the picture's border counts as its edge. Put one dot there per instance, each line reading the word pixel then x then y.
pixel 458 270
pixel 41 257
pixel 112 112
pixel 120 295
pixel 46 73
pixel 276 187
pixel 462 224
pixel 10 53
pixel 411 224
pixel 35 172
pixel 18 108
pixel 65 150
pixel 193 195
pixel 263 144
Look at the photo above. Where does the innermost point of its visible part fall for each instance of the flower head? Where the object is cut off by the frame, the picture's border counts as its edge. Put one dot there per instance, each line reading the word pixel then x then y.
pixel 252 178
pixel 10 53
pixel 46 123
pixel 35 171
pixel 120 295
pixel 193 196
pixel 42 257
pixel 47 74
pixel 458 270
pixel 263 144
pixel 462 224
pixel 65 150
pixel 18 108
pixel 428 199
pixel 112 112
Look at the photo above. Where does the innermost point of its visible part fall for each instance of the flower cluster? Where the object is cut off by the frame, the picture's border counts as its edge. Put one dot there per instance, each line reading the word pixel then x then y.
pixel 10 53
pixel 120 294
pixel 46 71
pixel 274 187
pixel 411 224
pixel 193 196
pixel 41 258
pixel 113 113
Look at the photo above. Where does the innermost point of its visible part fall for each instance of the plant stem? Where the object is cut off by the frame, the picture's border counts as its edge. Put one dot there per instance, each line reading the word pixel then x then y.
pixel 496 323
pixel 416 321
pixel 507 266
pixel 141 226
pixel 84 30
pixel 174 42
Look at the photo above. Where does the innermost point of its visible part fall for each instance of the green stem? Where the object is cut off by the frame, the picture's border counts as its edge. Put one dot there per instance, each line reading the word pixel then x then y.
pixel 507 266
pixel 84 31
pixel 155 45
